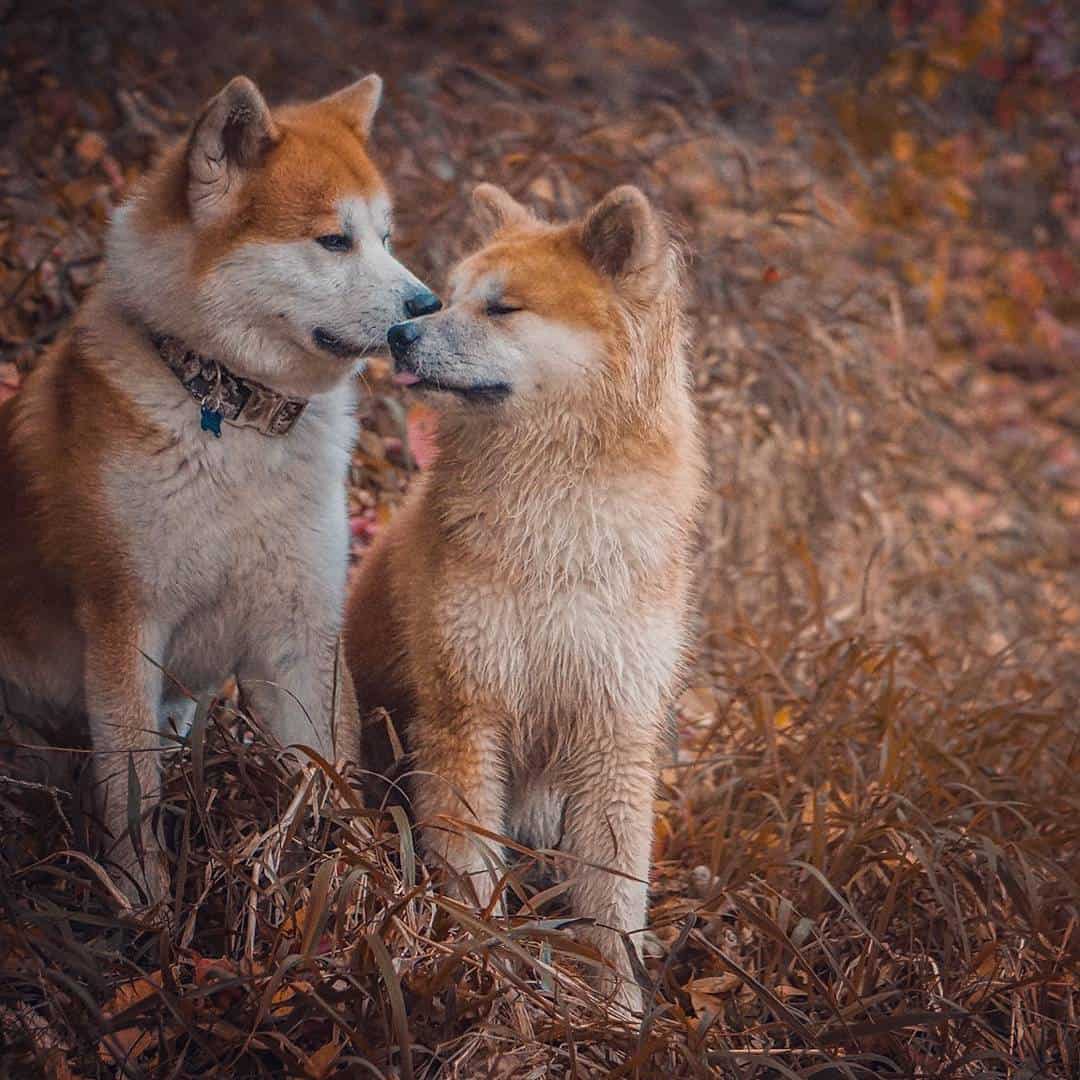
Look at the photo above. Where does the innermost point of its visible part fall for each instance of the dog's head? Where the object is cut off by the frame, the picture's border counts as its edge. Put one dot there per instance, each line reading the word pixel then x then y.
pixel 268 233
pixel 544 312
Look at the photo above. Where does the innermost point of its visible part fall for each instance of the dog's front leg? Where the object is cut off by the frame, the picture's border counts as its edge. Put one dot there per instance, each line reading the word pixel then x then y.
pixel 608 826
pixel 123 687
pixel 459 773
pixel 289 682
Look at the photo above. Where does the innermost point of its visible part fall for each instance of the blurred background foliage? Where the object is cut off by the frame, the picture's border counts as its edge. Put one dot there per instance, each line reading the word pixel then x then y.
pixel 866 855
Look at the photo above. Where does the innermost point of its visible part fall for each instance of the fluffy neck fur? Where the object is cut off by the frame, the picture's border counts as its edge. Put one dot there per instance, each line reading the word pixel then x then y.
pixel 143 269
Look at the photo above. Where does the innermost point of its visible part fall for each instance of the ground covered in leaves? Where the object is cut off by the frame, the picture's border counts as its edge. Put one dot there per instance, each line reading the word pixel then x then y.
pixel 867 856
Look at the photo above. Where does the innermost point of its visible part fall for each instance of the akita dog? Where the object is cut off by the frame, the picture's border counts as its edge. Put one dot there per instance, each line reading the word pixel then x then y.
pixel 172 476
pixel 526 612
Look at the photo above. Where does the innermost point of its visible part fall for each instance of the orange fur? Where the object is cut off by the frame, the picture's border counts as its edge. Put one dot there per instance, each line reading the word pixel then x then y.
pixel 315 161
pixel 524 616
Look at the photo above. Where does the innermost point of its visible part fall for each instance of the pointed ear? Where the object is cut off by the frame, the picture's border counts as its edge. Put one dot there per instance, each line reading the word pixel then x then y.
pixel 496 208
pixel 231 137
pixel 358 103
pixel 623 238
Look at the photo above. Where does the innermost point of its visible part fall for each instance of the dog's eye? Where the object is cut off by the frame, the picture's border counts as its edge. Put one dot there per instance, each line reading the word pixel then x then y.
pixel 386 241
pixel 495 308
pixel 335 242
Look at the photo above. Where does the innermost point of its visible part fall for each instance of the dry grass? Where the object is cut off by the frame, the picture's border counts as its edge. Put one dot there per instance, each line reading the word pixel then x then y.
pixel 867 859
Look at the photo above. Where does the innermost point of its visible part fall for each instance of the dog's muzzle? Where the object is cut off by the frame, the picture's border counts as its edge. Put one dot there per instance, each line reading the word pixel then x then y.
pixel 401 337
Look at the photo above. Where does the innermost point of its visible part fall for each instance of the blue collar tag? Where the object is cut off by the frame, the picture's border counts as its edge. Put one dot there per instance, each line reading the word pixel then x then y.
pixel 211 421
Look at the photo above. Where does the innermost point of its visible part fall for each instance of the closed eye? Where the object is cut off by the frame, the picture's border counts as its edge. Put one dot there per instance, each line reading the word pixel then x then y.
pixel 335 242
pixel 495 308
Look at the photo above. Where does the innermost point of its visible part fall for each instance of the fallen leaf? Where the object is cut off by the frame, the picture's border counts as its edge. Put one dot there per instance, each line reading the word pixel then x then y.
pixel 903 146
pixel 82 191
pixel 713 984
pixel 319 1063
pixel 127 1043
pixel 90 148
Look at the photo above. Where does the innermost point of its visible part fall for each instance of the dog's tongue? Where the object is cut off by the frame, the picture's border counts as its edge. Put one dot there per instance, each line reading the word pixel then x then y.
pixel 405 378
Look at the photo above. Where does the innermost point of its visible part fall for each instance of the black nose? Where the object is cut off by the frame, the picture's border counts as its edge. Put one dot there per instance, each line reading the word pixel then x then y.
pixel 401 336
pixel 422 303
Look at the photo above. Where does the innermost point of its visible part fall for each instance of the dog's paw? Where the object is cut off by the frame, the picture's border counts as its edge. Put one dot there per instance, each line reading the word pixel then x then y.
pixel 144 884
pixel 623 994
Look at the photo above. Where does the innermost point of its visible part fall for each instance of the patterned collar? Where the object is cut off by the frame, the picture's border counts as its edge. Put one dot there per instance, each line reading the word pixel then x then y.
pixel 225 396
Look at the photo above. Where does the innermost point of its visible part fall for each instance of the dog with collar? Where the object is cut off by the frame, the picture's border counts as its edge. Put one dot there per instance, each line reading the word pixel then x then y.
pixel 172 475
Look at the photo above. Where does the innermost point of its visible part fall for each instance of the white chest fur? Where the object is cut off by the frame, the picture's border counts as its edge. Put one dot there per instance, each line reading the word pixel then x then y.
pixel 551 599
pixel 228 534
